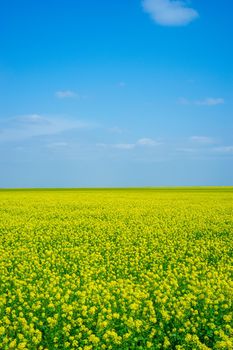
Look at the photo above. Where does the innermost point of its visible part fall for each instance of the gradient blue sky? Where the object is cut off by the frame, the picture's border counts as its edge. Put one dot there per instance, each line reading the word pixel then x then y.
pixel 116 93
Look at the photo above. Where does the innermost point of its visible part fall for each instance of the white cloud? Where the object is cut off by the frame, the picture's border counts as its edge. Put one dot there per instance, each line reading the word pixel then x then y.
pixel 31 118
pixel 202 139
pixel 129 146
pixel 224 149
pixel 186 150
pixel 57 144
pixel 170 12
pixel 66 94
pixel 124 145
pixel 28 126
pixel 210 101
pixel 148 142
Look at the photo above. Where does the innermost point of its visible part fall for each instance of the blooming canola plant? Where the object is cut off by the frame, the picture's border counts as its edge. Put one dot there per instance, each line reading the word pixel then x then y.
pixel 116 269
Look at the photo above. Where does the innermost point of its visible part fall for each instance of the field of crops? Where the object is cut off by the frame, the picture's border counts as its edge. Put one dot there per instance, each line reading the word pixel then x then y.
pixel 116 269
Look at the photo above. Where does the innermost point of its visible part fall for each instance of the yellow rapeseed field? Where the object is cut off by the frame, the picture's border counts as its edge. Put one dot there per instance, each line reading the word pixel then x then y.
pixel 116 269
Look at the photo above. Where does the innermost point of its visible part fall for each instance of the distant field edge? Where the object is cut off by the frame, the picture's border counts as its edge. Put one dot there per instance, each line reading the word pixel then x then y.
pixel 146 188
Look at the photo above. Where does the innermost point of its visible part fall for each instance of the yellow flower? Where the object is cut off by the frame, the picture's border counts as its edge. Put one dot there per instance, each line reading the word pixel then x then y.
pixel 2 330
pixel 93 339
pixel 227 318
pixel 149 344
pixel 188 337
pixel 166 343
pixel 12 344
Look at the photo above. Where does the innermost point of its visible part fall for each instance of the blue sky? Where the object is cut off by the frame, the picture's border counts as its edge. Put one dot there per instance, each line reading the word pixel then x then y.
pixel 116 93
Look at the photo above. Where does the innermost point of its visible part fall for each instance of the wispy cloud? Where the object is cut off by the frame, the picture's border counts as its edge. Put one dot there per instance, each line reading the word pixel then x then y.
pixel 148 142
pixel 170 12
pixel 143 142
pixel 55 145
pixel 204 146
pixel 224 149
pixel 209 101
pixel 124 145
pixel 33 125
pixel 202 140
pixel 187 150
pixel 66 94
pixel 195 145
